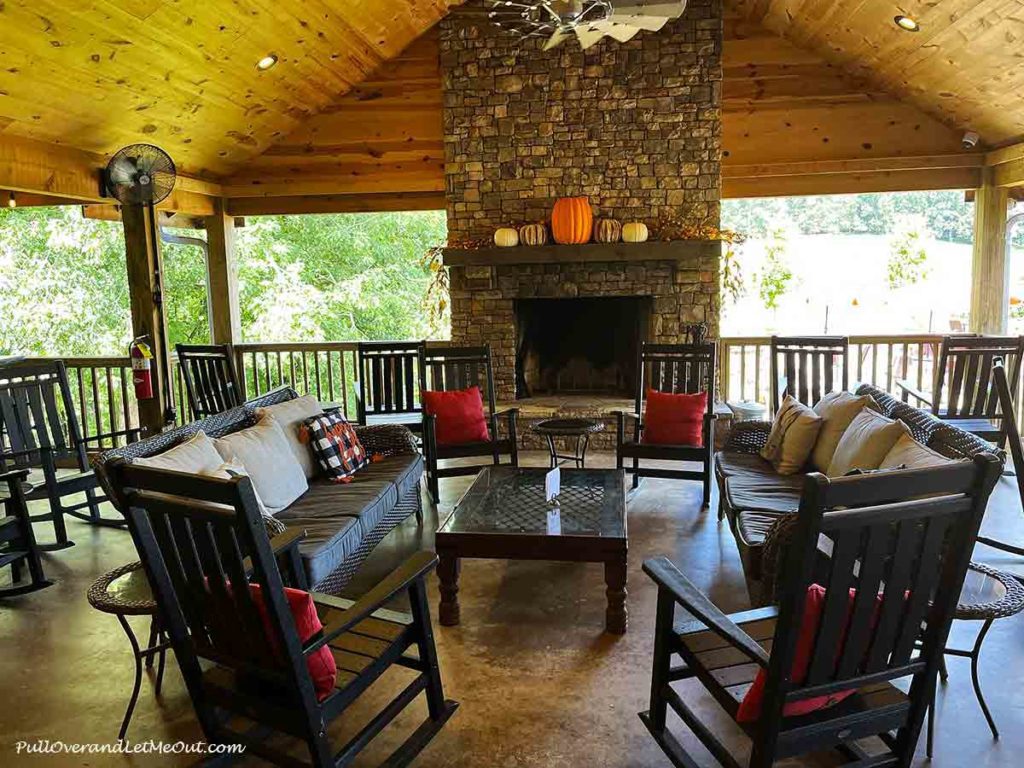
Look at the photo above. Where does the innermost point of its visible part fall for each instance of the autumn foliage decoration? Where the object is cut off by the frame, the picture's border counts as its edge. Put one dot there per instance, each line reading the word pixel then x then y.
pixel 572 221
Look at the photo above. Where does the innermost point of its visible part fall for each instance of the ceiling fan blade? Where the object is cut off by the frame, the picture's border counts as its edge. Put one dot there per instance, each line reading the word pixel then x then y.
pixel 589 35
pixel 646 23
pixel 559 37
pixel 621 32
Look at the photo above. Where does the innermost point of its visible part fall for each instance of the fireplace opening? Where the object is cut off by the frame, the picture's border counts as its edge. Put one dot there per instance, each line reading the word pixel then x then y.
pixel 579 346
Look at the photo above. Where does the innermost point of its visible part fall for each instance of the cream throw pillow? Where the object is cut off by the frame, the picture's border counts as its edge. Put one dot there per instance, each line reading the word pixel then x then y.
pixel 865 442
pixel 792 438
pixel 290 415
pixel 837 410
pixel 234 468
pixel 909 453
pixel 196 456
pixel 268 459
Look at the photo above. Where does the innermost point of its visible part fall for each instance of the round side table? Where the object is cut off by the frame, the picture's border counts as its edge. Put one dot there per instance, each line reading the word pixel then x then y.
pixel 987 595
pixel 581 429
pixel 123 592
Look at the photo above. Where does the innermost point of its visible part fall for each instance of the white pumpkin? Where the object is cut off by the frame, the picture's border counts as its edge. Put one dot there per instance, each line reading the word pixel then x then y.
pixel 506 237
pixel 635 232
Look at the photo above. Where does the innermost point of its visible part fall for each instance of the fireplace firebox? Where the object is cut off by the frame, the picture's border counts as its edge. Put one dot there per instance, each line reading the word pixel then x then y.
pixel 579 345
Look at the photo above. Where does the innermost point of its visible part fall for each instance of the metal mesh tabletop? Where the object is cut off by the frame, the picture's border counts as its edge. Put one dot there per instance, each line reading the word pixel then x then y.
pixel 510 500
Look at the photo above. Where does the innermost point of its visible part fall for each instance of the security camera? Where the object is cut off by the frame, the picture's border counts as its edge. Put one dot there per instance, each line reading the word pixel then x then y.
pixel 971 139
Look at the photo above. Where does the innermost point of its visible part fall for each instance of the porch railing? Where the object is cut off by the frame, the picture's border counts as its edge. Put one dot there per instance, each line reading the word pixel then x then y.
pixel 105 400
pixel 745 363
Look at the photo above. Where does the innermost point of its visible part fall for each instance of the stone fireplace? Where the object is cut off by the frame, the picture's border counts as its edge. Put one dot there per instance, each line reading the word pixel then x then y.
pixel 636 128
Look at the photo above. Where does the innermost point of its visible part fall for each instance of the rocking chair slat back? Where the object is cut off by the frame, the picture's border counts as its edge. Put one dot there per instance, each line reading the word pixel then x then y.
pixel 965 363
pixel 808 367
pixel 388 378
pixel 193 554
pixel 903 549
pixel 676 369
pixel 37 412
pixel 211 383
pixel 449 368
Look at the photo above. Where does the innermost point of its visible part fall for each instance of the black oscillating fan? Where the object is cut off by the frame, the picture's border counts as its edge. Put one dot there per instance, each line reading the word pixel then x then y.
pixel 140 174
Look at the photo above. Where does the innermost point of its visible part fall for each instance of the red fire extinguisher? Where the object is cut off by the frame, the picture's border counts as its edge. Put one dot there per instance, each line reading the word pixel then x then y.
pixel 142 375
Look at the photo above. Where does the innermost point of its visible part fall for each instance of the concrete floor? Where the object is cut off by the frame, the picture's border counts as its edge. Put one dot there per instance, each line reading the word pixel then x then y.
pixel 538 681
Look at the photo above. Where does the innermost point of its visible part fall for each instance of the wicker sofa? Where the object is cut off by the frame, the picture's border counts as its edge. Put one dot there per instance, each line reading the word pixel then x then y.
pixel 342 522
pixel 760 504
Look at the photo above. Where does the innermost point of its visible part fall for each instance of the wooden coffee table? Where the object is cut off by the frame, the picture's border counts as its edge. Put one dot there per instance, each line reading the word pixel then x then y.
pixel 504 516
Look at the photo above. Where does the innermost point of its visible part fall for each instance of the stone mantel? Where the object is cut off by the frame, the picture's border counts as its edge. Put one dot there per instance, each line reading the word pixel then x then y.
pixel 676 250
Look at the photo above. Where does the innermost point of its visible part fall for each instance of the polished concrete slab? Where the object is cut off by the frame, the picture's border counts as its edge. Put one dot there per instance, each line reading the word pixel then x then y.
pixel 539 682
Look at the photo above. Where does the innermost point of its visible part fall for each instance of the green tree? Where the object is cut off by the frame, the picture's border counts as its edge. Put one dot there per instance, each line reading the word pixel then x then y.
pixel 776 275
pixel 907 255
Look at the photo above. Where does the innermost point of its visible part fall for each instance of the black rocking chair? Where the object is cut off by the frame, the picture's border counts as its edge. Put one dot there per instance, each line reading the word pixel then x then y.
pixel 964 391
pixel 40 432
pixel 449 368
pixel 211 383
pixel 239 661
pixel 673 369
pixel 805 367
pixel 387 387
pixel 903 539
pixel 18 548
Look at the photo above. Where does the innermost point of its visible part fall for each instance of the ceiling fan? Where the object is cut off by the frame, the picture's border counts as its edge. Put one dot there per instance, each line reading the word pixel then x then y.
pixel 589 20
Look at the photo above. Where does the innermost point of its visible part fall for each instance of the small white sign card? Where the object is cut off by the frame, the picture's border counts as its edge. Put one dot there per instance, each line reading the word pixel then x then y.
pixel 552 484
pixel 554 522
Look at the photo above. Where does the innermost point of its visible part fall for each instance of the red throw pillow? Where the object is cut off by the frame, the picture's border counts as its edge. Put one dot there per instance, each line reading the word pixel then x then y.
pixel 321 664
pixel 675 419
pixel 459 416
pixel 750 707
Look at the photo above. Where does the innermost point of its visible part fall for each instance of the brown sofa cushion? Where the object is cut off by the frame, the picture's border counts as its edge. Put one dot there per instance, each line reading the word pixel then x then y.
pixel 731 463
pixel 779 495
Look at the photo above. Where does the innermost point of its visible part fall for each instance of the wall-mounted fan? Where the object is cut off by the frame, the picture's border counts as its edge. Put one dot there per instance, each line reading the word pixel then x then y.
pixel 139 177
pixel 140 174
pixel 589 20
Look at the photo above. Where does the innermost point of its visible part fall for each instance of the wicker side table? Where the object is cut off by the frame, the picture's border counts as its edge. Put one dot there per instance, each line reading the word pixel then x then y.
pixel 581 429
pixel 987 595
pixel 124 592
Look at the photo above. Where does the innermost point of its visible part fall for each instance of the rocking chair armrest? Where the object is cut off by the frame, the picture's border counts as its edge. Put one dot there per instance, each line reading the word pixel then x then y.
pixel 507 413
pixel 400 579
pixel 912 391
pixel 668 577
pixel 10 475
pixel 628 415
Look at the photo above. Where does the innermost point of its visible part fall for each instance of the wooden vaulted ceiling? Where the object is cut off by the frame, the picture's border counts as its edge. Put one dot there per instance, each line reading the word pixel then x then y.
pixel 818 95
pixel 965 65
pixel 100 74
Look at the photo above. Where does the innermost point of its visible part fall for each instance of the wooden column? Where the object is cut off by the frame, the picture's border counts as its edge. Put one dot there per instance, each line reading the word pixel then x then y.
pixel 222 278
pixel 145 287
pixel 990 278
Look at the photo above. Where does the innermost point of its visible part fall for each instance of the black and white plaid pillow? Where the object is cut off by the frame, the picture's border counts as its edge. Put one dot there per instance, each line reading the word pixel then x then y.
pixel 335 446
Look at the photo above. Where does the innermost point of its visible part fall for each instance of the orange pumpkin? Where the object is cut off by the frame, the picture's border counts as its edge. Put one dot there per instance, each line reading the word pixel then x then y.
pixel 572 221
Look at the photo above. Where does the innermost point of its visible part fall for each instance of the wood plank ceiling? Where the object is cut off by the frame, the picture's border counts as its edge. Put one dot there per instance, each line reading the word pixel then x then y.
pixel 965 65
pixel 99 74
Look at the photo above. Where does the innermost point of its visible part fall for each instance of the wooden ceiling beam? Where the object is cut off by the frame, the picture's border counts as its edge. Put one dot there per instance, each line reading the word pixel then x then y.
pixel 851 183
pixel 1007 165
pixel 374 203
pixel 66 176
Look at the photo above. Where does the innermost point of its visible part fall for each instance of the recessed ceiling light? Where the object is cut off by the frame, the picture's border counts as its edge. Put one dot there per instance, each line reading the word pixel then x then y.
pixel 907 24
pixel 266 62
pixel 12 201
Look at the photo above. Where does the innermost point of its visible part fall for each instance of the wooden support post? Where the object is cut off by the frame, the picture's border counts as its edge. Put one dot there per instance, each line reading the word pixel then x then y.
pixel 145 287
pixel 222 278
pixel 990 278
